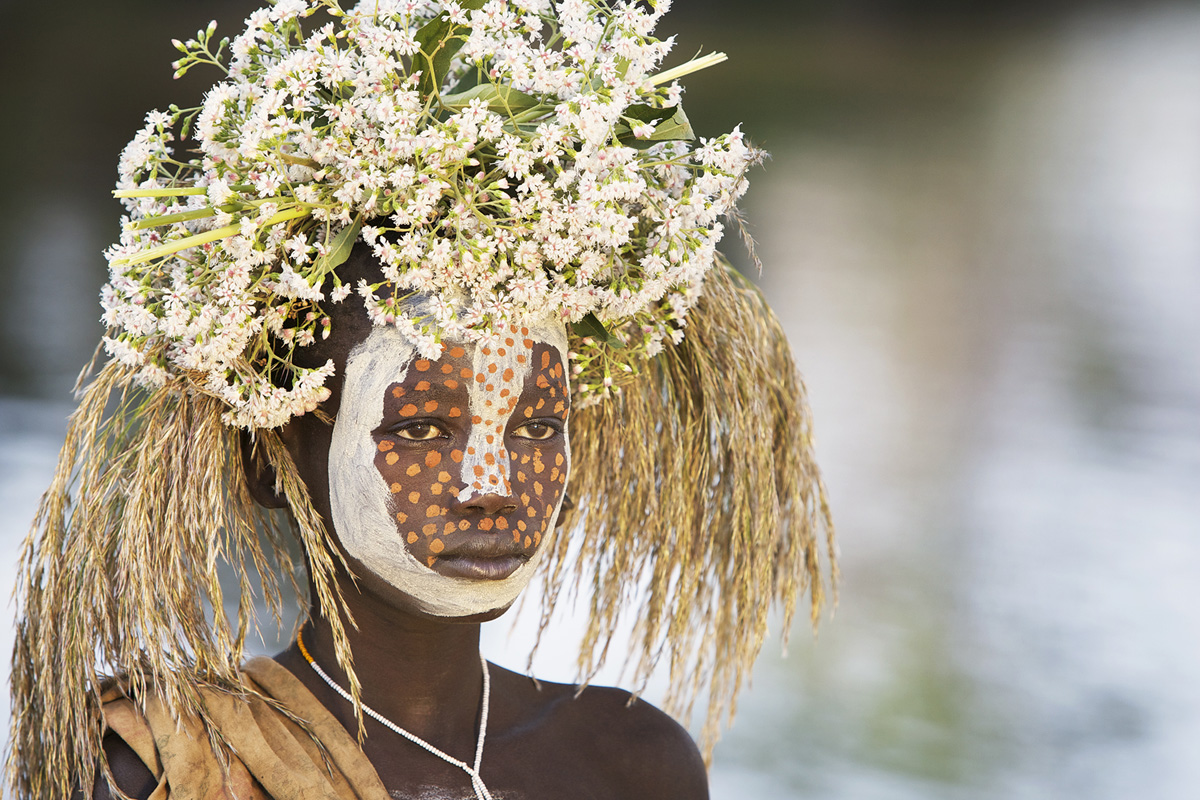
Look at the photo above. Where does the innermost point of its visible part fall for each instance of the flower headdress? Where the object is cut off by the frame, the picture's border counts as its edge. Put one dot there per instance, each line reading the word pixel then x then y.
pixel 509 157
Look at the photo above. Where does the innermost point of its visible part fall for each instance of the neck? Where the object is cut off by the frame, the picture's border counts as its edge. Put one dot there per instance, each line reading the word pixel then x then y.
pixel 422 674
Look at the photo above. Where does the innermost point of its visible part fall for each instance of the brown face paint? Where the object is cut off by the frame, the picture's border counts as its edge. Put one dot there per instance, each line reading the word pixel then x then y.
pixel 449 442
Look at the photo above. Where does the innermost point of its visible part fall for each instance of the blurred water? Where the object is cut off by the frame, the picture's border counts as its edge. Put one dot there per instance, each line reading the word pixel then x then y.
pixel 997 317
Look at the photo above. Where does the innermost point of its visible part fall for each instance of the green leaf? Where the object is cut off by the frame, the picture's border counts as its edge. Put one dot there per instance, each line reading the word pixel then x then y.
pixel 440 41
pixel 669 125
pixel 501 99
pixel 339 248
pixel 676 128
pixel 592 326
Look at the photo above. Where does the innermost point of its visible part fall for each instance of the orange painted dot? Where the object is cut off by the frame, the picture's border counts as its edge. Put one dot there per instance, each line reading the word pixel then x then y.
pixel 412 537
pixel 431 406
pixel 508 374
pixel 528 412
pixel 480 378
pixel 385 446
pixel 521 359
pixel 392 458
pixel 422 386
pixel 477 485
pixel 531 512
pixel 455 413
pixel 502 523
pixel 492 369
pixel 521 477
pixel 554 474
pixel 444 477
pixel 413 469
pixel 491 438
pixel 524 460
pixel 558 459
pixel 433 511
pixel 451 383
pixel 492 479
pixel 516 537
pixel 457 352
pixel 528 542
pixel 447 369
pixel 397 391
pixel 422 365
pixel 521 526
pixel 478 471
pixel 487 351
pixel 542 383
pixel 408 410
pixel 470 451
pixel 462 526
pixel 488 458
pixel 430 560
pixel 505 392
pixel 436 488
pixel 490 387
pixel 537 538
pixel 414 497
pixel 537 488
pixel 560 407
pixel 501 352
pixel 436 546
pixel 525 332
pixel 430 529
pixel 401 517
pixel 541 403
pixel 396 488
pixel 545 359
pixel 448 529
pixel 456 456
pixel 433 458
pixel 485 524
pixel 475 420
pixel 538 466
pixel 465 373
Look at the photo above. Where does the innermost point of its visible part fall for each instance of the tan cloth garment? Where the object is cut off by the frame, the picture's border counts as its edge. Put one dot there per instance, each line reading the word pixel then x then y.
pixel 272 757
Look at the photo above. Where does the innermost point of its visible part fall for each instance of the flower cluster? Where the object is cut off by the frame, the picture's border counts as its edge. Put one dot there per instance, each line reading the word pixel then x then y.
pixel 509 159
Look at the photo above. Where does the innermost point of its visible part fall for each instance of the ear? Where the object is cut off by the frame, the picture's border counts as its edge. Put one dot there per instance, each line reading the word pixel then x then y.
pixel 258 473
pixel 567 505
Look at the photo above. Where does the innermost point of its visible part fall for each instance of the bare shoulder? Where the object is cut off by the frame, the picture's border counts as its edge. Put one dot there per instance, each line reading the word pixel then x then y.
pixel 638 749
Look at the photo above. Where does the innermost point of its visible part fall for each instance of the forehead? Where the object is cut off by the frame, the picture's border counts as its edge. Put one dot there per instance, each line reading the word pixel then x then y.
pixel 517 360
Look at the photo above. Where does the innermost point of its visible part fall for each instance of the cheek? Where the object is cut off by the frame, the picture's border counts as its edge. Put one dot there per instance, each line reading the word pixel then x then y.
pixel 420 486
pixel 539 479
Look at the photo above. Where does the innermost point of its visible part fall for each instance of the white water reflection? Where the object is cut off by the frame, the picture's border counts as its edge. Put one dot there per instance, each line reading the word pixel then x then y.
pixel 999 327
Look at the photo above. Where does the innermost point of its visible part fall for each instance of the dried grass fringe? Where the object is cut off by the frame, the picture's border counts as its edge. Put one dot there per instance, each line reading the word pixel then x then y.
pixel 697 482
pixel 697 496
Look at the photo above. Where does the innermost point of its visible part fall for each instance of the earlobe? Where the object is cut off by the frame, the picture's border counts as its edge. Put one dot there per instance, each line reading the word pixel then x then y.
pixel 259 474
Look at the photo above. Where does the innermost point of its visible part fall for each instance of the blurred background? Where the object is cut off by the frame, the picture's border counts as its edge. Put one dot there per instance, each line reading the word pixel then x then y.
pixel 981 226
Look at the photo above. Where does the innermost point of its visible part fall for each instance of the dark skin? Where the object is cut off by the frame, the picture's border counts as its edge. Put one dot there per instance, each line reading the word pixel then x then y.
pixel 423 673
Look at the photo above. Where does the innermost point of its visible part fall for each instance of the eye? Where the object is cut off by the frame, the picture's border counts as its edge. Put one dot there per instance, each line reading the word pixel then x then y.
pixel 420 431
pixel 537 430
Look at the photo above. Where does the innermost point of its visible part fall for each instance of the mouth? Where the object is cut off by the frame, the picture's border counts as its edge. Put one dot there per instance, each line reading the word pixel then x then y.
pixel 490 559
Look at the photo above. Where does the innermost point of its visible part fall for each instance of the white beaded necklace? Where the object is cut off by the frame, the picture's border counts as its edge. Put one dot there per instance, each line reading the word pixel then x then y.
pixel 481 791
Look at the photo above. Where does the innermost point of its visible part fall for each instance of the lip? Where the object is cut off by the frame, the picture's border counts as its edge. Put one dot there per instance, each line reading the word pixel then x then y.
pixel 488 558
pixel 475 568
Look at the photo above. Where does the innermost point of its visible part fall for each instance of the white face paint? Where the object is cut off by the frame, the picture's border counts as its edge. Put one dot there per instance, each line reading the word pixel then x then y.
pixel 408 504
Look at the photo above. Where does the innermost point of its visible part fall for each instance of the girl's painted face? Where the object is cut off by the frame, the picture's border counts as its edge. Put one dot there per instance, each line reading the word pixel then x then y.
pixel 445 476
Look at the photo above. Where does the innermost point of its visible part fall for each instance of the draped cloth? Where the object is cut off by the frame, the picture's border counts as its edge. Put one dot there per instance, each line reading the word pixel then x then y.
pixel 267 755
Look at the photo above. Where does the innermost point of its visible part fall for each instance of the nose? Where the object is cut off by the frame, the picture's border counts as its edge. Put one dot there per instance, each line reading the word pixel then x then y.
pixel 491 503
